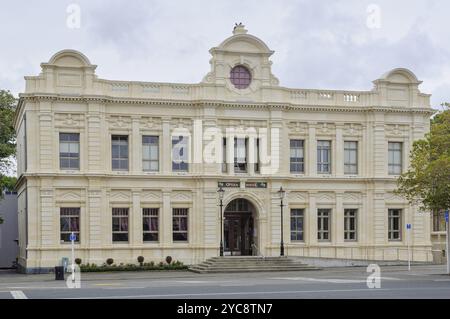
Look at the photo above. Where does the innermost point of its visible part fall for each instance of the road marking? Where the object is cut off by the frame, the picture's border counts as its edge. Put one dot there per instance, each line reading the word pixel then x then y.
pixel 259 293
pixel 441 280
pixel 332 280
pixel 192 281
pixel 111 284
pixel 18 294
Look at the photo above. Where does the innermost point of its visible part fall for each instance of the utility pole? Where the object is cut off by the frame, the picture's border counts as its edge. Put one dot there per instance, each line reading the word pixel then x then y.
pixel 448 242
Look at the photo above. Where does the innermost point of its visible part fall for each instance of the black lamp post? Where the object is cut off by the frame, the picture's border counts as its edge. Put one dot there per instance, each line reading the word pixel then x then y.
pixel 221 192
pixel 281 193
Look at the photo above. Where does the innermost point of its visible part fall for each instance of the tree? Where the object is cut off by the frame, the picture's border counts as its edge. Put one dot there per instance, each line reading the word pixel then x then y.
pixel 7 139
pixel 427 181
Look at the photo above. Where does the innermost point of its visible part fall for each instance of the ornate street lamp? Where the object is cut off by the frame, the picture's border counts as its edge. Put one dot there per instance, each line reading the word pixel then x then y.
pixel 281 193
pixel 221 192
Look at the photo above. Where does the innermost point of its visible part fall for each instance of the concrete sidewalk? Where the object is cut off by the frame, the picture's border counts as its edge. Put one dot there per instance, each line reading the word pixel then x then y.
pixel 10 276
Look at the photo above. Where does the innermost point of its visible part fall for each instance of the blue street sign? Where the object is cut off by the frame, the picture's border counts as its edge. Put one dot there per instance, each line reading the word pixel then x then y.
pixel 72 237
pixel 446 216
pixel 408 226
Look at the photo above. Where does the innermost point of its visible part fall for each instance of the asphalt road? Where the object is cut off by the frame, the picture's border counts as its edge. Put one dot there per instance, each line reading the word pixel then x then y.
pixel 395 282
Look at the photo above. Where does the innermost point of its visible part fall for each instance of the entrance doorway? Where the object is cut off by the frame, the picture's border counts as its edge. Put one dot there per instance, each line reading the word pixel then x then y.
pixel 239 228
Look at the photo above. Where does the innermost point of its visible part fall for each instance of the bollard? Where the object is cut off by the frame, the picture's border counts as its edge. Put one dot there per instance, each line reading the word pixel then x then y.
pixel 59 273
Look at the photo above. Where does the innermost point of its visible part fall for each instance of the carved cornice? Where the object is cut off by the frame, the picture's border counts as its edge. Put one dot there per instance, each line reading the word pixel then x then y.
pixel 218 103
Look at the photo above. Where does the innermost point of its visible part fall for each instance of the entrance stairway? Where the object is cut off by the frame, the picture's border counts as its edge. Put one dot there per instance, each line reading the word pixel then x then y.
pixel 230 264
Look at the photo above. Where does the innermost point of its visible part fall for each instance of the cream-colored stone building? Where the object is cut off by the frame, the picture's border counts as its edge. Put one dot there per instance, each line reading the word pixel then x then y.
pixel 133 168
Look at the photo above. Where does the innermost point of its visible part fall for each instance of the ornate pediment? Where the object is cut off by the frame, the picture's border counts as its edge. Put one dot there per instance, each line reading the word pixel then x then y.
pixel 352 197
pixel 149 196
pixel 69 120
pixel 119 122
pixel 325 198
pixel 181 196
pixel 120 196
pixel 298 197
pixel 297 127
pixel 396 130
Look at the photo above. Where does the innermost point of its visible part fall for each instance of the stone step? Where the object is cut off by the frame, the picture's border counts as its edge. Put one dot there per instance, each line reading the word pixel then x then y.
pixel 231 264
pixel 260 269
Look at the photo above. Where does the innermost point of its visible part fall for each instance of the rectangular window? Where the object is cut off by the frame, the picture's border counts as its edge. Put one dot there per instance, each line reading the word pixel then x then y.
pixel 120 224
pixel 297 156
pixel 350 224
pixel 180 153
pixel 394 224
pixel 150 153
pixel 69 220
pixel 395 158
pixel 240 155
pixel 69 151
pixel 323 224
pixel 350 157
pixel 180 224
pixel 150 222
pixel 224 155
pixel 119 152
pixel 324 157
pixel 257 166
pixel 297 220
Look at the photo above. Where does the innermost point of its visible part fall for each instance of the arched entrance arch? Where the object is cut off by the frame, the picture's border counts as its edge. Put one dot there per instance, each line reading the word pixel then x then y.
pixel 240 229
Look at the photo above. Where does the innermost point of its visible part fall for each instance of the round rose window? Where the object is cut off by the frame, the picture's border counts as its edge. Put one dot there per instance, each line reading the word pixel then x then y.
pixel 240 77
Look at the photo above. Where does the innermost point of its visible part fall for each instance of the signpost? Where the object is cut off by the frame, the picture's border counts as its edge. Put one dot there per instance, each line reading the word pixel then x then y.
pixel 72 238
pixel 408 234
pixel 448 241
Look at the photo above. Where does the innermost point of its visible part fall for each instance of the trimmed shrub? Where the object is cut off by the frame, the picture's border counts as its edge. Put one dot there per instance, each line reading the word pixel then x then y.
pixel 109 261
pixel 78 261
pixel 168 260
pixel 140 260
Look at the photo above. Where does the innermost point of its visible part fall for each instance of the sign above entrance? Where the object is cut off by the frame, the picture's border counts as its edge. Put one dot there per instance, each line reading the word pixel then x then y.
pixel 255 185
pixel 229 184
pixel 237 184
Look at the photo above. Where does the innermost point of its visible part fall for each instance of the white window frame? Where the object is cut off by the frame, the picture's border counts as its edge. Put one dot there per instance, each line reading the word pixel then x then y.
pixel 351 167
pixel 391 230
pixel 394 167
pixel 350 213
pixel 324 218
pixel 322 146
pixel 149 159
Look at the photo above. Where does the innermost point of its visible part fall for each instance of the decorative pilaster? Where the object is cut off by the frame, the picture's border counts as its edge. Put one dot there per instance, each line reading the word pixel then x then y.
pixel 312 150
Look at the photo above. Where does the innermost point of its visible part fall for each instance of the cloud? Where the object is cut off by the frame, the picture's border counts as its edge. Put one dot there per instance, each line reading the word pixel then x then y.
pixel 324 44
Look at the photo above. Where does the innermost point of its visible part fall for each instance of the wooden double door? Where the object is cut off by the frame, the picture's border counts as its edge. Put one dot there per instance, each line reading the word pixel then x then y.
pixel 238 233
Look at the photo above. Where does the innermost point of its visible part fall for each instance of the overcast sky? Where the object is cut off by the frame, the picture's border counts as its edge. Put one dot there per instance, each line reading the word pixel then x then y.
pixel 317 44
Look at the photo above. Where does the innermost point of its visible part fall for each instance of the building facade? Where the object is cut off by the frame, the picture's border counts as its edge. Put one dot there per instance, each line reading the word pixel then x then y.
pixel 133 168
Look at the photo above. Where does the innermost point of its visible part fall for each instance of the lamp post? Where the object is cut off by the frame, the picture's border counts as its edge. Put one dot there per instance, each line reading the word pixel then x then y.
pixel 281 193
pixel 221 192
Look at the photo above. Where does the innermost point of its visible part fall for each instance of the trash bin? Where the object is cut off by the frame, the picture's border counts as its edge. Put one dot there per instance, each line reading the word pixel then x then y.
pixel 59 273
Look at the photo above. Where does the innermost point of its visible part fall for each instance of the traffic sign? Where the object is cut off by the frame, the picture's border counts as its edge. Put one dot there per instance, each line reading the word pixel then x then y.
pixel 72 237
pixel 446 216
pixel 408 226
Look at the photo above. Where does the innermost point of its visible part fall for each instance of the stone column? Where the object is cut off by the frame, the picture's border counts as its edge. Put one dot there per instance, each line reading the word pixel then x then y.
pixel 338 224
pixel 312 219
pixel 166 147
pixel 136 219
pixel 312 150
pixel 166 219
pixel 94 144
pixel 338 161
pixel 135 150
